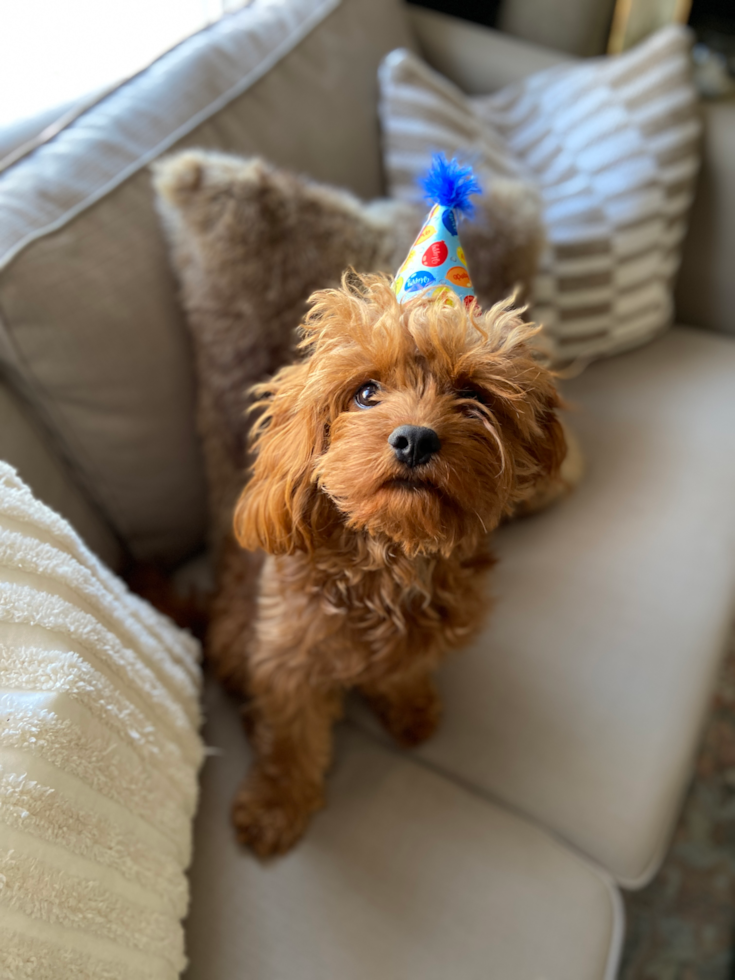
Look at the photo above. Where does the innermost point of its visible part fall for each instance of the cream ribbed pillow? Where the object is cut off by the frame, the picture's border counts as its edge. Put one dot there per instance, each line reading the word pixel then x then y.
pixel 611 146
pixel 99 753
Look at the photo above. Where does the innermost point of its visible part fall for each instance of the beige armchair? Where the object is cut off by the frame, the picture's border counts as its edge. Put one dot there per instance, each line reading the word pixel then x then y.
pixel 498 849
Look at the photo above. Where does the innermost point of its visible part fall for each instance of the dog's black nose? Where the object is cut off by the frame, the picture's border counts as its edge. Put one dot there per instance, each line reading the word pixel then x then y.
pixel 414 444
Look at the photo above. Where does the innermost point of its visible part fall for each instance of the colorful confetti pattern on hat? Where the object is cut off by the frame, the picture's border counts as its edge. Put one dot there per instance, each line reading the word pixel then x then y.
pixel 436 258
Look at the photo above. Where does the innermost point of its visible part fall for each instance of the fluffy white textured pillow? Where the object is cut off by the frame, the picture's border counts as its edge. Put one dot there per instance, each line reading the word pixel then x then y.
pixel 99 753
pixel 612 147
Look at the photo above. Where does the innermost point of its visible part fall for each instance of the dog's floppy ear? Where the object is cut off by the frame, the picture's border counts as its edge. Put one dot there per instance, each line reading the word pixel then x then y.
pixel 539 446
pixel 527 399
pixel 281 505
pixel 545 451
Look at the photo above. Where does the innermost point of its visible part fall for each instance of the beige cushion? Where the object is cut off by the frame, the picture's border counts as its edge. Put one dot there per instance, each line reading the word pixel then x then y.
pixel 90 329
pixel 99 752
pixel 26 448
pixel 611 147
pixel 582 702
pixel 405 876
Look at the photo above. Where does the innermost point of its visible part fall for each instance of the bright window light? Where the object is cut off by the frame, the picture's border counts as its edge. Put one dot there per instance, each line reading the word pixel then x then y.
pixel 53 52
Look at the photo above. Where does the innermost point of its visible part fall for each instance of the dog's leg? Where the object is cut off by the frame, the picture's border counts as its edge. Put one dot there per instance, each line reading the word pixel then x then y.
pixel 232 616
pixel 292 739
pixel 408 705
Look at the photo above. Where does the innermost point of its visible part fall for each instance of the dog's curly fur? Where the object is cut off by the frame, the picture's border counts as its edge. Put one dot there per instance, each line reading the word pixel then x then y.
pixel 373 571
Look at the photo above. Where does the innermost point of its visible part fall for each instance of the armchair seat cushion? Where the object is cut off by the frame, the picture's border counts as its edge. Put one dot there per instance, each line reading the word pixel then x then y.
pixel 582 702
pixel 404 876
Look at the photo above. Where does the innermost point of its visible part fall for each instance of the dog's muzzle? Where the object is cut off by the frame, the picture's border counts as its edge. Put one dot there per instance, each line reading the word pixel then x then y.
pixel 414 445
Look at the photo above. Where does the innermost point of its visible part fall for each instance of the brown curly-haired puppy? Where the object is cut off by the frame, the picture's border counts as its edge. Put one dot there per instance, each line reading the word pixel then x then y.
pixel 382 460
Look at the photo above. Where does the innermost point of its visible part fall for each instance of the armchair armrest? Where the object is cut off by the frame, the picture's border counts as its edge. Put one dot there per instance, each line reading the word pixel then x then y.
pixel 705 293
pixel 477 59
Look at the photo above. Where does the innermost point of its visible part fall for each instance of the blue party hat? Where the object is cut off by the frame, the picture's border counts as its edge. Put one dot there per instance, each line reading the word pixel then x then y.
pixel 436 258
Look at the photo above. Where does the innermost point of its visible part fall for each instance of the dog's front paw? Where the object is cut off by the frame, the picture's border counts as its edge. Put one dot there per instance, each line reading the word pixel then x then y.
pixel 268 819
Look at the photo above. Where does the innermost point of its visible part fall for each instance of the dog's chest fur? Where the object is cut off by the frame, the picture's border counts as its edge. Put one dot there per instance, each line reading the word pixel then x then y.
pixel 361 612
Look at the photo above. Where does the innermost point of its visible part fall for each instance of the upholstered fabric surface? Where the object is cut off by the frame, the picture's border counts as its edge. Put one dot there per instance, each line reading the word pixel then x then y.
pixel 89 326
pixel 99 753
pixel 705 293
pixel 578 26
pixel 611 147
pixel 26 447
pixel 404 876
pixel 478 59
pixel 582 702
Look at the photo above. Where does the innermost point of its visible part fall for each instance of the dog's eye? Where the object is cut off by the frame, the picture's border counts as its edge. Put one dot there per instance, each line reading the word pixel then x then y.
pixel 366 395
pixel 472 393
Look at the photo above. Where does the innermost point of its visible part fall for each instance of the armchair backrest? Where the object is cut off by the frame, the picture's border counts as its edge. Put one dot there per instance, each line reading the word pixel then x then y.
pixel 91 336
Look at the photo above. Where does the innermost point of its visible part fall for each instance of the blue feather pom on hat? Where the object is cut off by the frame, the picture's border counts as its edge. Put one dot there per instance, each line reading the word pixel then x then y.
pixel 437 258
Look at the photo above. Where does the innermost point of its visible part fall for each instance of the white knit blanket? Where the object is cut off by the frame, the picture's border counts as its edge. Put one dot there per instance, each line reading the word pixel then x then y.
pixel 99 753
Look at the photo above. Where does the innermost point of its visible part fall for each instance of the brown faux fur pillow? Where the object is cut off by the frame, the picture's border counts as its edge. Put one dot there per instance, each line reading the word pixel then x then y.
pixel 250 243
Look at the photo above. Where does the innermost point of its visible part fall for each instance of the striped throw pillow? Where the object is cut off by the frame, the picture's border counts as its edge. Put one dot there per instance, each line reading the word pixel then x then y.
pixel 611 145
pixel 99 752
